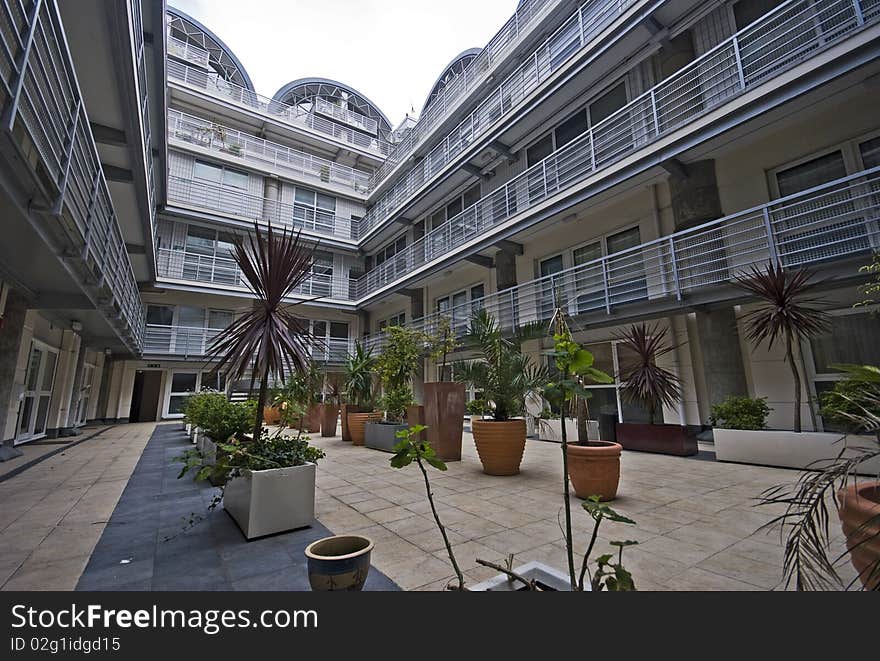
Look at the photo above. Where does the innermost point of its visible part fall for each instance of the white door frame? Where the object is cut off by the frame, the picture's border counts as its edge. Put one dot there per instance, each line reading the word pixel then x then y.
pixel 37 394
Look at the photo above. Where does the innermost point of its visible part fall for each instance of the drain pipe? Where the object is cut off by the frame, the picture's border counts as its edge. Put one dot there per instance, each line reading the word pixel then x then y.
pixel 676 359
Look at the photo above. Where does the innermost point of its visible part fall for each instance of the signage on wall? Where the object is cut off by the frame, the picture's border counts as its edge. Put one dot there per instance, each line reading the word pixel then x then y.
pixel 154 365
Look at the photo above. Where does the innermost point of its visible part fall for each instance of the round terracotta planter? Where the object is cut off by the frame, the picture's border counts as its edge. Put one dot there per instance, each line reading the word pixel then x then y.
pixel 271 415
pixel 594 469
pixel 500 445
pixel 339 563
pixel 858 504
pixel 357 422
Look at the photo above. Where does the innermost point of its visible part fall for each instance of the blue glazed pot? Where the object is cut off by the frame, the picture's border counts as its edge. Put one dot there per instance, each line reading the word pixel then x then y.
pixel 341 562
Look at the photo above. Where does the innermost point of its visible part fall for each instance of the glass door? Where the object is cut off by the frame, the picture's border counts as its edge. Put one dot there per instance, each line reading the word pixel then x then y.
pixel 33 412
pixel 85 392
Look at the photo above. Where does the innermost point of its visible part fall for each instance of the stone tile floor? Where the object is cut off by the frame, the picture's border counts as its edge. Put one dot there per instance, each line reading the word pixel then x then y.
pixel 696 520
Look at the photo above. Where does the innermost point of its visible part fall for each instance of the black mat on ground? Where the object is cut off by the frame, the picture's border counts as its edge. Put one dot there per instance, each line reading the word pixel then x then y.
pixel 146 545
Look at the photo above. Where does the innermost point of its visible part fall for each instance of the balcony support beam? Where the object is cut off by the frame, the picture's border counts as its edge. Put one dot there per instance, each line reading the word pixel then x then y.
pixel 676 168
pixel 503 150
pixel 510 247
pixel 107 135
pixel 117 174
pixel 473 170
pixel 481 260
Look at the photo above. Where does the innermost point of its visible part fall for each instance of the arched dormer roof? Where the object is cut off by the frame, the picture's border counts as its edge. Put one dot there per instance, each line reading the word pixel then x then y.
pixel 302 92
pixel 458 64
pixel 221 58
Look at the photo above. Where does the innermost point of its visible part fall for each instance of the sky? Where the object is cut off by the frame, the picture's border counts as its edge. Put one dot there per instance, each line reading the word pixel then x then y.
pixel 391 51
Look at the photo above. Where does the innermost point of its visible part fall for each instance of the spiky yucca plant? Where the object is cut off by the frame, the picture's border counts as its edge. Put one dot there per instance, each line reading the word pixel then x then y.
pixel 645 381
pixel 786 312
pixel 268 337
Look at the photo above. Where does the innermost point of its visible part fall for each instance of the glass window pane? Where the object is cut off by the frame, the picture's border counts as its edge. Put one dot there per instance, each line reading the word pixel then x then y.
pixel 235 179
pixel 339 330
pixel 587 253
pixel 453 208
pixel 326 202
pixel 33 371
pixel 200 240
pixel 160 315
pixel 49 371
pixel 870 152
pixel 219 318
pixel 305 196
pixel 812 173
pixel 190 317
pixel 540 150
pixel 471 195
pixel 623 240
pixel 571 128
pixel 607 104
pixel 746 12
pixel 320 329
pixel 207 172
pixel 183 382
pixel 852 339
pixel 175 404
pixel 42 414
pixel 551 265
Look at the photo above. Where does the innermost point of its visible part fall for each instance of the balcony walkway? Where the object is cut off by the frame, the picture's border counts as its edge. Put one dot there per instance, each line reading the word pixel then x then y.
pixel 696 520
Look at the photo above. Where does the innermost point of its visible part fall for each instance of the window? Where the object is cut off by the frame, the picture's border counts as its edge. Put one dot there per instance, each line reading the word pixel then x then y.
pixel 320 282
pixel 313 210
pixel 183 384
pixel 539 150
pixel 570 128
pixel 208 256
pixel 607 104
pixel 869 151
pixel 218 174
pixel 746 12
pixel 332 340
pixel 459 306
pixel 398 265
pixel 396 320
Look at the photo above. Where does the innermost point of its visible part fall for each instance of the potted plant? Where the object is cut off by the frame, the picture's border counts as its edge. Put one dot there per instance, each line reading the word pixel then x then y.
pixel 444 400
pixel 339 563
pixel 476 408
pixel 506 377
pixel 396 366
pixel 360 369
pixel 313 379
pixel 330 408
pixel 647 383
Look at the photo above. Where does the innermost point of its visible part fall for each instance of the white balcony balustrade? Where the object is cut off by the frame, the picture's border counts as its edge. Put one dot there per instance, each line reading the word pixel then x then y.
pixel 195 343
pixel 793 32
pixel 569 39
pixel 834 221
pixel 187 51
pixel 231 201
pixel 362 122
pixel 211 83
pixel 446 100
pixel 262 153
pixel 45 119
pixel 224 273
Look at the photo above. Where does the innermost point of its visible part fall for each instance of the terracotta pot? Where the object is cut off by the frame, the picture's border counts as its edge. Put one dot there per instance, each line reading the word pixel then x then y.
pixel 357 422
pixel 329 419
pixel 858 504
pixel 271 415
pixel 444 417
pixel 594 469
pixel 313 419
pixel 345 409
pixel 339 563
pixel 500 445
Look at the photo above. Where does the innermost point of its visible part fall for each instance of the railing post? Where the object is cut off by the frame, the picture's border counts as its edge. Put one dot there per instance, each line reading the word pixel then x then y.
pixel 93 198
pixel 71 141
pixel 605 286
pixel 21 68
pixel 654 112
pixel 675 281
pixel 857 7
pixel 771 239
pixel 739 66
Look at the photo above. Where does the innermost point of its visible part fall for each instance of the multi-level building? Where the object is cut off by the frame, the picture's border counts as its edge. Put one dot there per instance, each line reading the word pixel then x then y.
pixel 622 159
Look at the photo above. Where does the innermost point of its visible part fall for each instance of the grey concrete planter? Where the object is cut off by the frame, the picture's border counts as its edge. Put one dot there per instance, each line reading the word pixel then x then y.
pixel 272 501
pixel 208 448
pixel 551 430
pixel 788 449
pixel 544 575
pixel 382 435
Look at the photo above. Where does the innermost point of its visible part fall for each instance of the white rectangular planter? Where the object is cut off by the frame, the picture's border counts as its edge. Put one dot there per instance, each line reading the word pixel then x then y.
pixel 787 449
pixel 208 448
pixel 272 501
pixel 551 430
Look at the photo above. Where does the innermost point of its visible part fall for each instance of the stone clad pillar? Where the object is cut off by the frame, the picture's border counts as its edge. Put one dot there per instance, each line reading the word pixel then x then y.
pixel 12 334
pixel 271 204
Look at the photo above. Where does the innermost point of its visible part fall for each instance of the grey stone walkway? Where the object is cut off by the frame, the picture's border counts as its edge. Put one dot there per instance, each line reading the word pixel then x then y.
pixel 147 544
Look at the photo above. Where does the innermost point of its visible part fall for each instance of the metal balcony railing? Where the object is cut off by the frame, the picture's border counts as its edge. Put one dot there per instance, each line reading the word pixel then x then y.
pixel 212 84
pixel 575 33
pixel 224 272
pixel 187 51
pixel 464 82
pixel 140 49
pixel 232 201
pixel 44 116
pixel 833 221
pixel 791 33
pixel 190 342
pixel 262 153
pixel 362 122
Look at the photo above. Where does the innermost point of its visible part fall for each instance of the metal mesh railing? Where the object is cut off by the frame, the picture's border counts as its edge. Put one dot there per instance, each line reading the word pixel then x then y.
pixel 187 51
pixel 787 35
pixel 45 118
pixel 262 153
pixel 456 88
pixel 228 200
pixel 570 38
pixel 833 221
pixel 213 84
pixel 362 122
pixel 224 273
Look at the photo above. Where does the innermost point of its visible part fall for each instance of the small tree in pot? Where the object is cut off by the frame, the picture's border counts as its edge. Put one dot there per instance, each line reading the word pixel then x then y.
pixel 396 366
pixel 360 373
pixel 647 383
pixel 444 399
pixel 330 409
pixel 507 377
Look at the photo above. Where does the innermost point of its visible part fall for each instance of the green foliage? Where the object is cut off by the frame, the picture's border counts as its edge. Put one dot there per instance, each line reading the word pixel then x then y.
pixel 476 407
pixel 360 368
pixel 871 289
pixel 735 412
pixel 645 381
pixel 195 405
pixel 575 365
pixel 609 575
pixel 219 418
pixel 854 402
pixel 504 374
pixel 410 449
pixel 271 450
pixel 441 342
pixel 395 402
pixel 400 356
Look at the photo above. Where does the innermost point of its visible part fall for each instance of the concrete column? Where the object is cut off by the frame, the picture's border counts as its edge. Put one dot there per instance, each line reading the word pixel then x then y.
pixel 101 412
pixel 76 395
pixel 721 361
pixel 695 198
pixel 12 334
pixel 63 388
pixel 417 303
pixel 675 54
pixel 272 193
pixel 505 278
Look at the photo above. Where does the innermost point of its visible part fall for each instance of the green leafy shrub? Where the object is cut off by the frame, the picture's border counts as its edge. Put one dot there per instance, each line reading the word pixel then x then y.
pixel 396 401
pixel 476 407
pixel 396 366
pixel 224 419
pixel 745 413
pixel 854 401
pixel 271 450
pixel 195 406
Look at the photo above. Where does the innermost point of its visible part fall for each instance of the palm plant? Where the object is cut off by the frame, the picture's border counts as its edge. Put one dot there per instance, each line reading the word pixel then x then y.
pixel 645 381
pixel 360 368
pixel 785 313
pixel 268 337
pixel 505 375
